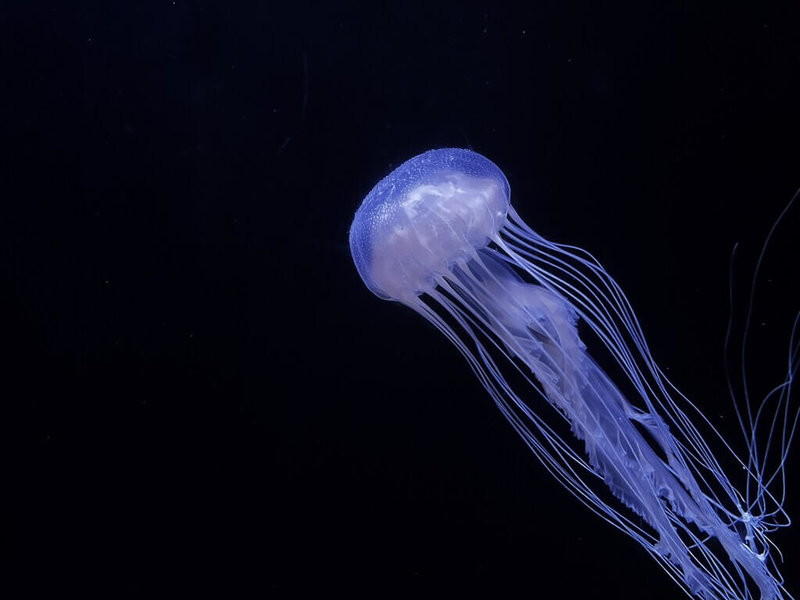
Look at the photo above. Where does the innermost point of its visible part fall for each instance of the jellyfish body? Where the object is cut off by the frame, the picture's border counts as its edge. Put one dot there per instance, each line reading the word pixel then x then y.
pixel 439 235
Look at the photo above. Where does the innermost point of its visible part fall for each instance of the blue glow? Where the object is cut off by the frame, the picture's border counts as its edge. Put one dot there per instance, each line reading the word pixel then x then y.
pixel 439 235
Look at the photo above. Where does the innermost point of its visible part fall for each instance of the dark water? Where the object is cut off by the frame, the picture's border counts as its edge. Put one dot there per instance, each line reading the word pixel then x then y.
pixel 200 394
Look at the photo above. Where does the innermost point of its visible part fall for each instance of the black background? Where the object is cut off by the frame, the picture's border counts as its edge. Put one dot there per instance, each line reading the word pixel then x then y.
pixel 200 394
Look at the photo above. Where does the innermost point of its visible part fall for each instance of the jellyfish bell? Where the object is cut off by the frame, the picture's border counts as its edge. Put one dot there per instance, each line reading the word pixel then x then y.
pixel 433 211
pixel 439 235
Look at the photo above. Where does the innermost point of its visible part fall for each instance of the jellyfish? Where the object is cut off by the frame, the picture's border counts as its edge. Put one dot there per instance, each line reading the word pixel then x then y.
pixel 440 236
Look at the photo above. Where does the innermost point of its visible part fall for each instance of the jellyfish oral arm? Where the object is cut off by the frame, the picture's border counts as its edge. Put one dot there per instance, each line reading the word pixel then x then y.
pixel 537 328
